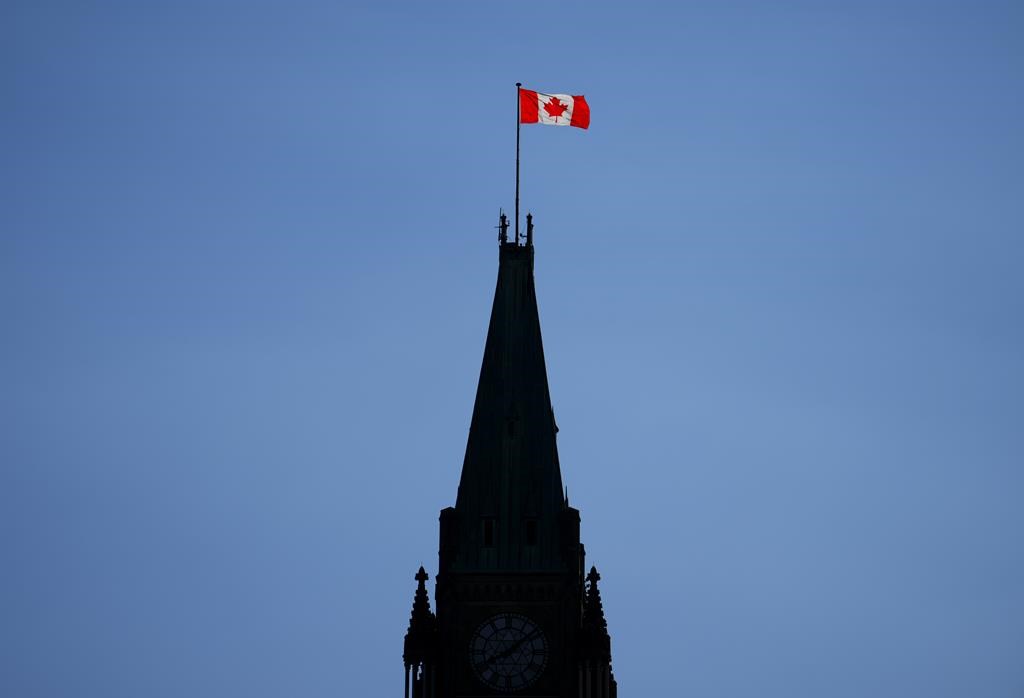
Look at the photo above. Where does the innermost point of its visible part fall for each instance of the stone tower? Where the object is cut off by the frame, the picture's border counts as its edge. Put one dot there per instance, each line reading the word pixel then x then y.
pixel 515 615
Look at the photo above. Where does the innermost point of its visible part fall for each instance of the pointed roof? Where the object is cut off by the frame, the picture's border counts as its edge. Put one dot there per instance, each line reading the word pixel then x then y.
pixel 595 643
pixel 593 609
pixel 510 473
pixel 419 638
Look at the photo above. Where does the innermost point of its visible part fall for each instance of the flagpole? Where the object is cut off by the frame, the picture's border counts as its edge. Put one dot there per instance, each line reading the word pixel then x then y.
pixel 519 86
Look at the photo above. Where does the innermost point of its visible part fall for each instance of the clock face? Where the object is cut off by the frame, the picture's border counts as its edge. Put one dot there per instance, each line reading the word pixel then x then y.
pixel 508 652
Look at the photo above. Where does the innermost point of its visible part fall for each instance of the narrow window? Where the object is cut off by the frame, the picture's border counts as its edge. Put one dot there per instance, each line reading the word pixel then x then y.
pixel 488 533
pixel 531 531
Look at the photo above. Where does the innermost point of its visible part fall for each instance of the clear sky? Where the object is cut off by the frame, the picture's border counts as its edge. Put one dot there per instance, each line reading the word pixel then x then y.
pixel 247 255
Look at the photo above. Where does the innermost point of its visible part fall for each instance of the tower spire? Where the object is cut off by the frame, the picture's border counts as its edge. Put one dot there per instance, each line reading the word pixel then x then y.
pixel 595 646
pixel 419 639
pixel 510 492
pixel 511 585
pixel 593 609
pixel 420 653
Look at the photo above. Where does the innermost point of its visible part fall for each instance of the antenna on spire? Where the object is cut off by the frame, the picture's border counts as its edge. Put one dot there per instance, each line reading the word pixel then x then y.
pixel 529 230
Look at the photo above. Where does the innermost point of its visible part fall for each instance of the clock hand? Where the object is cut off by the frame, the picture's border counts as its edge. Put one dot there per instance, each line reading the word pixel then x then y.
pixel 511 650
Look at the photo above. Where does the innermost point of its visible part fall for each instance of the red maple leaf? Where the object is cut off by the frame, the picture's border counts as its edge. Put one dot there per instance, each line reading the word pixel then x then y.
pixel 555 108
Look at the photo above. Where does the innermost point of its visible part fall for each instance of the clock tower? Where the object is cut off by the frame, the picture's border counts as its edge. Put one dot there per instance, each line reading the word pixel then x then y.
pixel 517 613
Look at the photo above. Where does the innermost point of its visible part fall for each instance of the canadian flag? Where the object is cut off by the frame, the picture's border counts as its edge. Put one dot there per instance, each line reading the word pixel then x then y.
pixel 554 110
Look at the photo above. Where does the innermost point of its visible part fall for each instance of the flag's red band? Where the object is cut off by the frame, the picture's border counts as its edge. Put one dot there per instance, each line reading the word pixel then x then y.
pixel 580 112
pixel 528 107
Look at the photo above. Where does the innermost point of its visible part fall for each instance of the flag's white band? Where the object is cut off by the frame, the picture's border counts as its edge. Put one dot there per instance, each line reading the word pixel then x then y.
pixel 559 113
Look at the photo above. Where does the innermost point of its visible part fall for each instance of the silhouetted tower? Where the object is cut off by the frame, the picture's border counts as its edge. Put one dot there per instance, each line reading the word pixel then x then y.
pixel 514 617
pixel 421 644
pixel 595 646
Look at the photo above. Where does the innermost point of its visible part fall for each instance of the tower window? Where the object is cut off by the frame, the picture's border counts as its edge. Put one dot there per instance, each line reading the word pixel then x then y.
pixel 531 531
pixel 488 532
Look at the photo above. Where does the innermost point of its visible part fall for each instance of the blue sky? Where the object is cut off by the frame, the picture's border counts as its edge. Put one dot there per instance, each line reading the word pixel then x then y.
pixel 246 263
